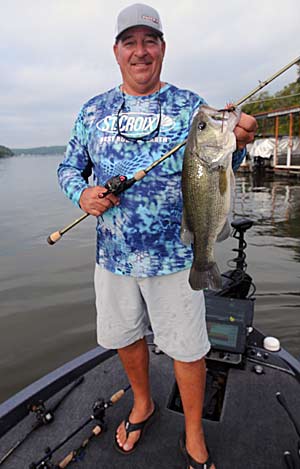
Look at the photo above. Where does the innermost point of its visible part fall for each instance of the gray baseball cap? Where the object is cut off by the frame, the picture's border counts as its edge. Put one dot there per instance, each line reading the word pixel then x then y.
pixel 138 14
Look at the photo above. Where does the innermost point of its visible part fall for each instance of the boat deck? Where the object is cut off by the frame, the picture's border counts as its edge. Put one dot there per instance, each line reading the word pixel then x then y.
pixel 253 431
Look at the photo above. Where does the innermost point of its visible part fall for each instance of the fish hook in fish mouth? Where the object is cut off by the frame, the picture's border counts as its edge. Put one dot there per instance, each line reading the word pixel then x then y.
pixel 220 118
pixel 228 109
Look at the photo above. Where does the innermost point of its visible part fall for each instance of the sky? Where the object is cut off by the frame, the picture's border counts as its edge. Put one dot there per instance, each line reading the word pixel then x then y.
pixel 57 54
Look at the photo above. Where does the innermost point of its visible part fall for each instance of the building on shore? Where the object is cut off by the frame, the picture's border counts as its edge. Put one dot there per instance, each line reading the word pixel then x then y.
pixel 277 147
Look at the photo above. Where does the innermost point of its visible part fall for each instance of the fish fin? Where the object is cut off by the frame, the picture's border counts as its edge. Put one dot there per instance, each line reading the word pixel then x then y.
pixel 186 236
pixel 225 232
pixel 209 278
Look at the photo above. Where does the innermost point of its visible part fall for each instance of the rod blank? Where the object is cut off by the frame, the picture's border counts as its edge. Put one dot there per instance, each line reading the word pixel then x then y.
pixel 54 237
pixel 262 84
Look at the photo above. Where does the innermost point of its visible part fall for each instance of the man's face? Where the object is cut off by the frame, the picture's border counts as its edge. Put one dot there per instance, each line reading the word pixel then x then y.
pixel 139 53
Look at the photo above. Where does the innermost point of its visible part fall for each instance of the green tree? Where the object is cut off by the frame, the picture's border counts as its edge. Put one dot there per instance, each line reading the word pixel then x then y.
pixel 289 96
pixel 4 151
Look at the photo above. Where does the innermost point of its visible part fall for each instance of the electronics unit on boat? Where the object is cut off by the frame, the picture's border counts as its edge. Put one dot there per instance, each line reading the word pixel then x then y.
pixel 228 323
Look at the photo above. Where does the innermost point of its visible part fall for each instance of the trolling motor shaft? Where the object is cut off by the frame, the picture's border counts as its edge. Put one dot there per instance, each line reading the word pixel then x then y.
pixel 236 282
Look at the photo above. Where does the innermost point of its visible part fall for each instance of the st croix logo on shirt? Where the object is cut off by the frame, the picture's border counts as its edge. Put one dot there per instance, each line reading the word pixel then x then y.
pixel 134 124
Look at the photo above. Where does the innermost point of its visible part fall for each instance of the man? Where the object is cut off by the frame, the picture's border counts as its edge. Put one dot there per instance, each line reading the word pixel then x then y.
pixel 141 273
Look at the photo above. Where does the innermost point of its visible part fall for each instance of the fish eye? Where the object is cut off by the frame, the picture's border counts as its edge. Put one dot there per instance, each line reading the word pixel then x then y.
pixel 201 125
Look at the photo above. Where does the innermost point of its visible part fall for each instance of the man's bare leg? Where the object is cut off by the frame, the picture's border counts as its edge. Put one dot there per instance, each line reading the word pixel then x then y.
pixel 191 382
pixel 135 360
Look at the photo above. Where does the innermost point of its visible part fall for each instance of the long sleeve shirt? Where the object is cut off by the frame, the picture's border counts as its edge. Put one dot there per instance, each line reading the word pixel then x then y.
pixel 141 236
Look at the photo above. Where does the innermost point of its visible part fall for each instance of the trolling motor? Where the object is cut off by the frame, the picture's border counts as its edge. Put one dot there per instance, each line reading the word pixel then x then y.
pixel 236 282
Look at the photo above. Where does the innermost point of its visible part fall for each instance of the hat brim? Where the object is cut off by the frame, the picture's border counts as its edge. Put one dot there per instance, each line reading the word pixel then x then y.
pixel 155 31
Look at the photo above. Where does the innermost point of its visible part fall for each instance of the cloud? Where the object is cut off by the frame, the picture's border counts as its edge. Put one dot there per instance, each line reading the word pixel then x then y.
pixel 57 54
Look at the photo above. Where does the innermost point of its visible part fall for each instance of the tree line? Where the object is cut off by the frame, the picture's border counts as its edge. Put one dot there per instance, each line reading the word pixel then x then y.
pixel 289 96
pixel 4 151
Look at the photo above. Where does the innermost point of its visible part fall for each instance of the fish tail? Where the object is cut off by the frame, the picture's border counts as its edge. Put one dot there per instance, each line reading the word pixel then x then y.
pixel 210 277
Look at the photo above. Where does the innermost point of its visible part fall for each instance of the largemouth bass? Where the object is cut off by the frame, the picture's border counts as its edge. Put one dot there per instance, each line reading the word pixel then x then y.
pixel 206 188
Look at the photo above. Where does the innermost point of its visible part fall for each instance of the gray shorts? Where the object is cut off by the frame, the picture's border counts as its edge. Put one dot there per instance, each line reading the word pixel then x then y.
pixel 126 306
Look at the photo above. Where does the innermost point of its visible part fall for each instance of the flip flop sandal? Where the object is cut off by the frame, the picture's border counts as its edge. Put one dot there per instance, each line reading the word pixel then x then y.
pixel 190 462
pixel 132 427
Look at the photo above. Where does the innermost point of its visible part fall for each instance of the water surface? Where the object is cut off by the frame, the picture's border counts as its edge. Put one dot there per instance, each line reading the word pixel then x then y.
pixel 47 313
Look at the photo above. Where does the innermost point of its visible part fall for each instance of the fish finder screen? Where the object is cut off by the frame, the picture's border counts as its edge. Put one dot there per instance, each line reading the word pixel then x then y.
pixel 222 335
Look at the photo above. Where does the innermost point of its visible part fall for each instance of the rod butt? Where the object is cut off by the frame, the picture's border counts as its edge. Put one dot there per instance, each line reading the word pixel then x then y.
pixel 54 237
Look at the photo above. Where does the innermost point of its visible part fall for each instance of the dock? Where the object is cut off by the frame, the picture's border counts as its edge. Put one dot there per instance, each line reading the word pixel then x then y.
pixel 277 152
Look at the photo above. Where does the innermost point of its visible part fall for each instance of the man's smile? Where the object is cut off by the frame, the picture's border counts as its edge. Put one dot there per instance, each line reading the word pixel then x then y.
pixel 141 64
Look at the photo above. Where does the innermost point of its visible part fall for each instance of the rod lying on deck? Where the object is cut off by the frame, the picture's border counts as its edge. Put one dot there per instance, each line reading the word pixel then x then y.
pixel 99 408
pixel 54 237
pixel 44 417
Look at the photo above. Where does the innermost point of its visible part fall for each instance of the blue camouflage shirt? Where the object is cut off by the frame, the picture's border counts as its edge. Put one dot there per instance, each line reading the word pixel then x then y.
pixel 140 237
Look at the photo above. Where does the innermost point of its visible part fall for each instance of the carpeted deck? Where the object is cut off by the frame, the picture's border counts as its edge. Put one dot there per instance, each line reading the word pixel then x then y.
pixel 253 431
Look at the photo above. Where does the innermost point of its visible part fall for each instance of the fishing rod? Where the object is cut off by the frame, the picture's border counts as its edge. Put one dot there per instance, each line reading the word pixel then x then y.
pixel 118 184
pixel 43 415
pixel 289 460
pixel 78 453
pixel 99 408
pixel 282 401
pixel 262 84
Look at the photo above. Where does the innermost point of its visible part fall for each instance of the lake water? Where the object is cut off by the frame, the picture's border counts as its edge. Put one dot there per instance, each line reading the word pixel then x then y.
pixel 47 313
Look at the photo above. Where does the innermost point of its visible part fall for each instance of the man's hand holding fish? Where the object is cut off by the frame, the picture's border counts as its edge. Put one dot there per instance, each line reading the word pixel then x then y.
pixel 245 130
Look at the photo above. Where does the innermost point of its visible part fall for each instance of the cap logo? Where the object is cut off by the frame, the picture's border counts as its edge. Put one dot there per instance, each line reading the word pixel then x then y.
pixel 150 18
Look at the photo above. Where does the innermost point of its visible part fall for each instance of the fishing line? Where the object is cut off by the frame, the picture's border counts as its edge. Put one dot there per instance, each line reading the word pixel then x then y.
pixel 275 98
